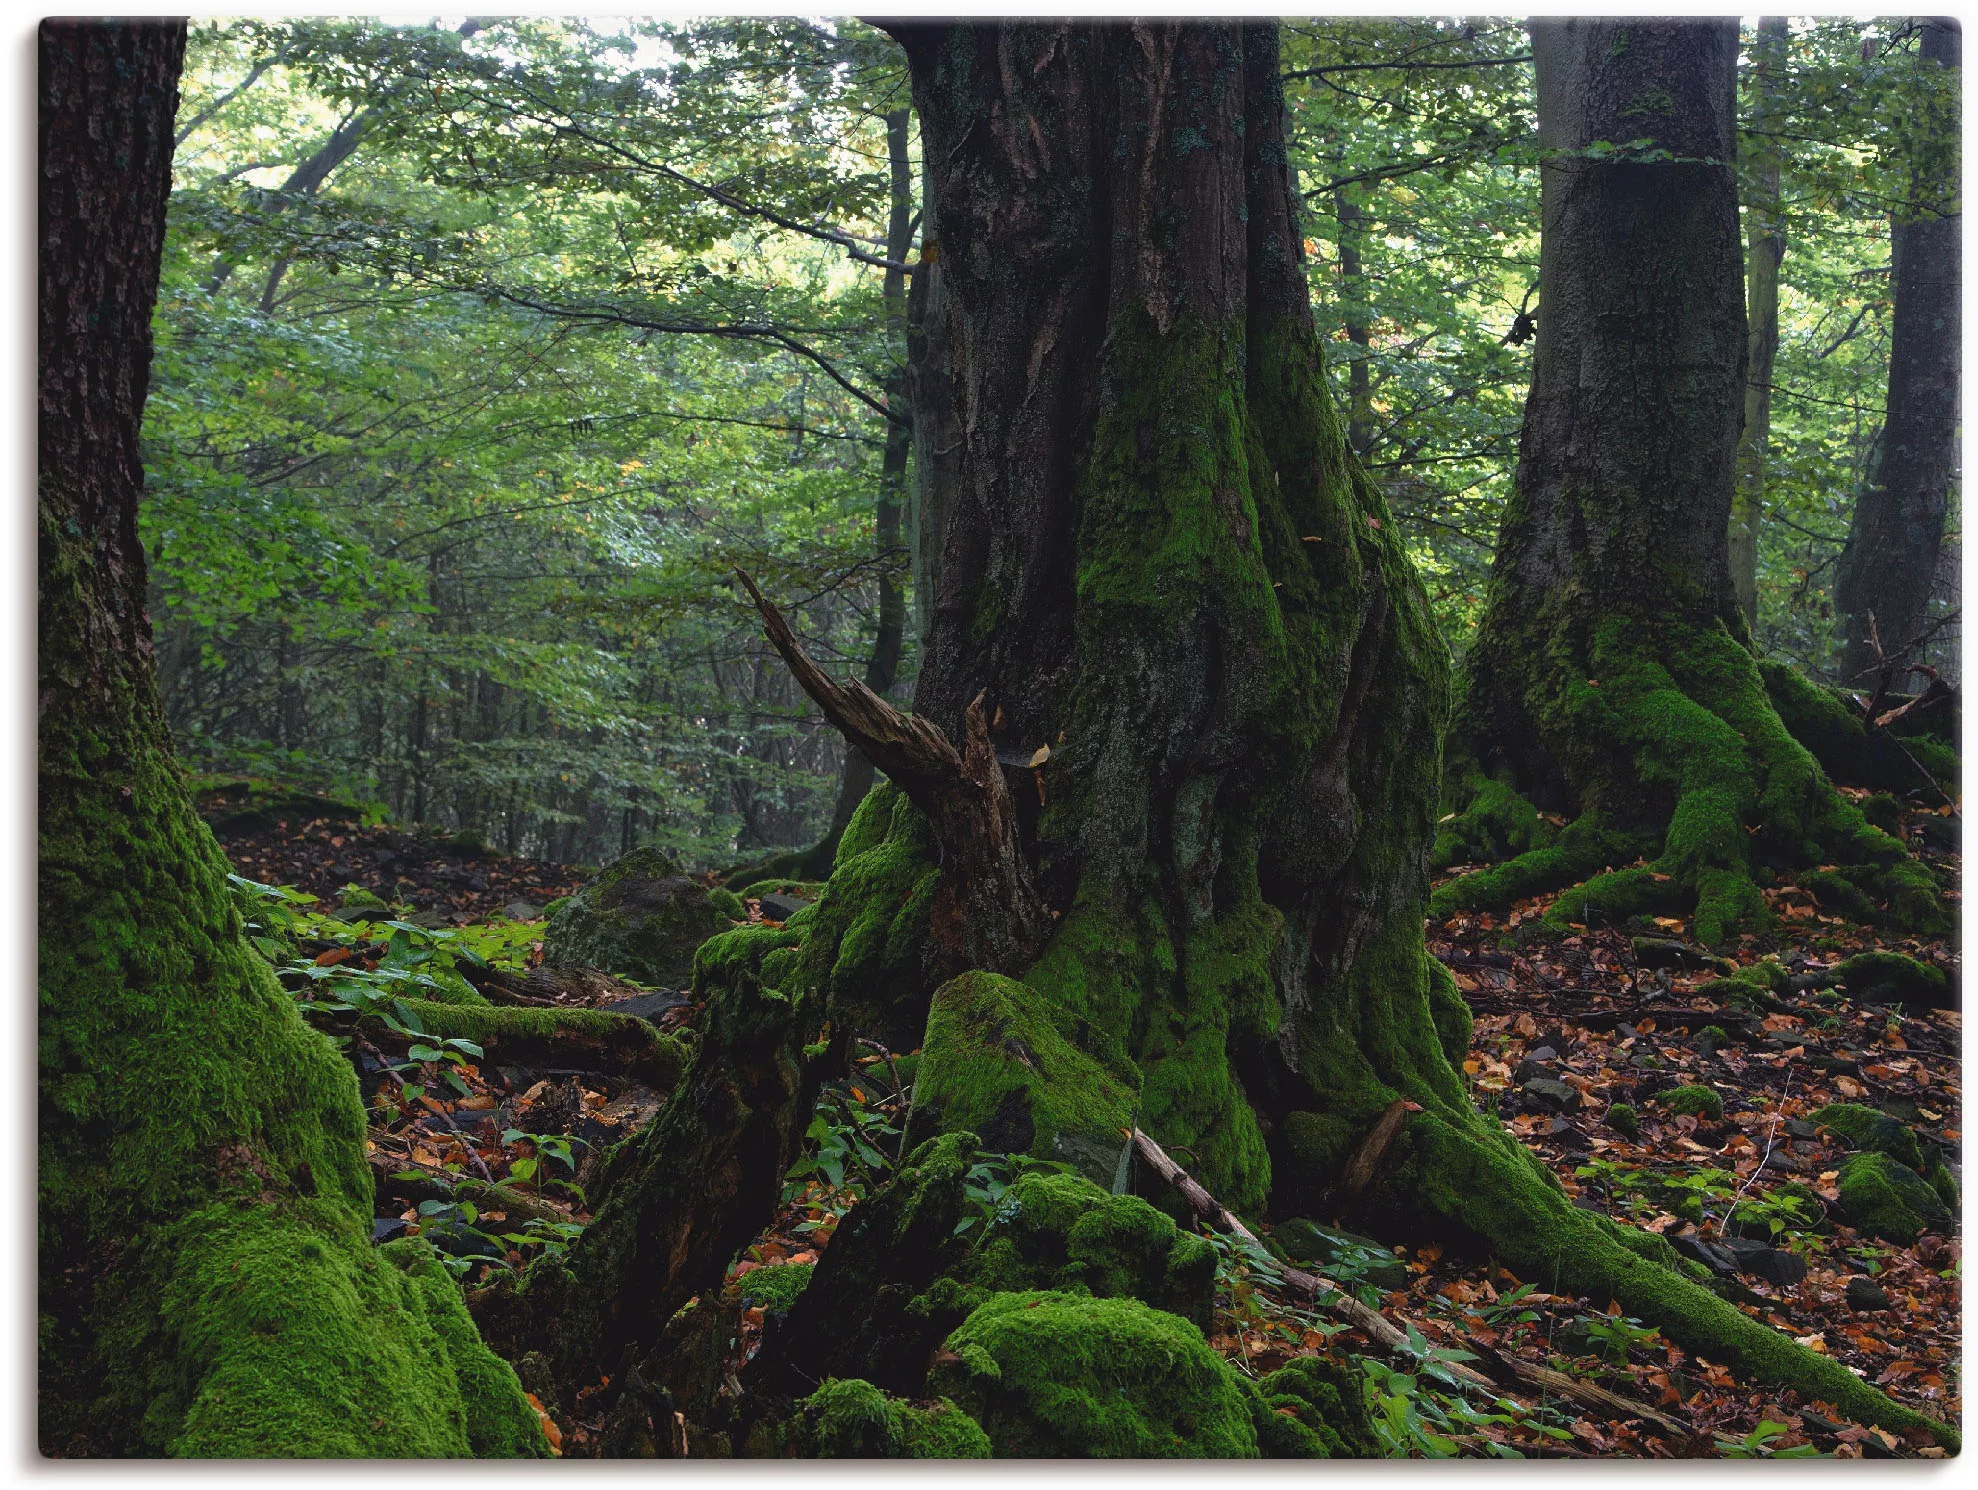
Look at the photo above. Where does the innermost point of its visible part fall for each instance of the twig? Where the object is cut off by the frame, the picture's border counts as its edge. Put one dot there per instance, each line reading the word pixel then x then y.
pixel 1338 1301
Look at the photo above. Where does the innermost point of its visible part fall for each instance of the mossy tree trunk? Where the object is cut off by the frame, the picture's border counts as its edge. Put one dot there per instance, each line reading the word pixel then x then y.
pixel 207 1280
pixel 1898 527
pixel 1161 560
pixel 1766 235
pixel 1612 675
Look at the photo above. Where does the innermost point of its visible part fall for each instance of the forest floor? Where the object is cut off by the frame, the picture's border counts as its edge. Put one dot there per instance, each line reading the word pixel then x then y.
pixel 1584 1016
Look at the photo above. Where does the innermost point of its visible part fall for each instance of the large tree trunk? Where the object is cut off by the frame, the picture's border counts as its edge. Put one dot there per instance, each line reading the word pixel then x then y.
pixel 1898 526
pixel 1765 232
pixel 208 1284
pixel 1161 561
pixel 1612 675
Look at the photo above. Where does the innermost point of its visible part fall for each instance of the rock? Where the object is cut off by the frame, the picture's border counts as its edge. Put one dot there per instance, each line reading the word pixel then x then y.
pixel 1888 1200
pixel 1865 1295
pixel 1337 1252
pixel 780 907
pixel 521 910
pixel 1800 1128
pixel 646 1005
pixel 1865 1130
pixel 1545 1095
pixel 639 919
pixel 1659 952
pixel 1718 1259
pixel 1757 1260
pixel 384 1228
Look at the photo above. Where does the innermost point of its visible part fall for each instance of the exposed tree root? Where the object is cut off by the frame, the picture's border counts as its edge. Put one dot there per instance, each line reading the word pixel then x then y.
pixel 1684 723
pixel 1377 1327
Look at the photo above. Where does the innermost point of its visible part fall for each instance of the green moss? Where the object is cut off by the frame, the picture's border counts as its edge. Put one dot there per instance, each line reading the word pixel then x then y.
pixel 1585 846
pixel 1881 975
pixel 1061 1232
pixel 865 943
pixel 774 1286
pixel 1694 1101
pixel 1889 1200
pixel 1313 1408
pixel 1026 1074
pixel 720 960
pixel 1495 822
pixel 1828 724
pixel 207 1283
pixel 855 1420
pixel 1055 1375
pixel 728 903
pixel 1622 1119
pixel 1865 1129
pixel 796 889
pixel 1474 1179
pixel 640 918
pixel 1454 1026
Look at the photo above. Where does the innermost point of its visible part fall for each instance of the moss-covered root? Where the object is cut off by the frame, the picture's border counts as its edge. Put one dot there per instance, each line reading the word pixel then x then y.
pixel 1491 822
pixel 588 1039
pixel 1059 1375
pixel 1477 1180
pixel 1673 734
pixel 296 1339
pixel 677 1200
pixel 855 1420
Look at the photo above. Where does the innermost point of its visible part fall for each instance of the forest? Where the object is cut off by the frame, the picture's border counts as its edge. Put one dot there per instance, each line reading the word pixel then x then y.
pixel 800 737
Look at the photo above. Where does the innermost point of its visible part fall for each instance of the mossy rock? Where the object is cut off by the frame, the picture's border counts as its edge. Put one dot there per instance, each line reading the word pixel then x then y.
pixel 1496 823
pixel 1024 1073
pixel 1889 1200
pixel 640 919
pixel 728 903
pixel 1060 1231
pixel 1864 1129
pixel 1313 1408
pixel 796 889
pixel 774 1286
pixel 1622 1118
pixel 1891 977
pixel 1696 1101
pixel 243 805
pixel 1060 1375
pixel 855 1420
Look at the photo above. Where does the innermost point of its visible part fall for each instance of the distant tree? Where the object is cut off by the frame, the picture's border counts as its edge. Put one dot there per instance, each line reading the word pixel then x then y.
pixel 1896 535
pixel 1612 676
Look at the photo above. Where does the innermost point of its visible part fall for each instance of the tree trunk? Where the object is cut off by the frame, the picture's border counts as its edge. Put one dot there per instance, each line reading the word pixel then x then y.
pixel 1161 561
pixel 208 1283
pixel 883 667
pixel 1353 306
pixel 1611 675
pixel 1898 527
pixel 1766 235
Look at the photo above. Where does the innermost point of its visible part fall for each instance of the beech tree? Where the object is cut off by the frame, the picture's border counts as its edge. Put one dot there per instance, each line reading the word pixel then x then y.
pixel 1612 676
pixel 207 1280
pixel 1152 849
pixel 1897 530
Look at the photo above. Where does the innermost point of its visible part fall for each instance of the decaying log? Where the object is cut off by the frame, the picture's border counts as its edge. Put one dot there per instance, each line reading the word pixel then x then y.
pixel 987 912
pixel 1381 1331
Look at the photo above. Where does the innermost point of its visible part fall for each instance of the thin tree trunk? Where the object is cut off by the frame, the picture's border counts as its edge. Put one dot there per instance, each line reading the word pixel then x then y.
pixel 1353 307
pixel 1766 236
pixel 1898 527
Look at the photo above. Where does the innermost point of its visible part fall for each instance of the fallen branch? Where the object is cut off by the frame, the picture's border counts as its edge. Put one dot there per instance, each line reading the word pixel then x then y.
pixel 1378 1328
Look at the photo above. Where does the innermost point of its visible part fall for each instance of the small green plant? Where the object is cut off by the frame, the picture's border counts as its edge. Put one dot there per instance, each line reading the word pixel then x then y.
pixel 1614 1336
pixel 554 1147
pixel 847 1147
pixel 986 1186
pixel 1757 1444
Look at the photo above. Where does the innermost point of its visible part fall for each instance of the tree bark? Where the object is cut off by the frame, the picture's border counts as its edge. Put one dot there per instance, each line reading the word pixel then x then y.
pixel 1898 527
pixel 1353 305
pixel 207 1282
pixel 1765 232
pixel 1612 675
